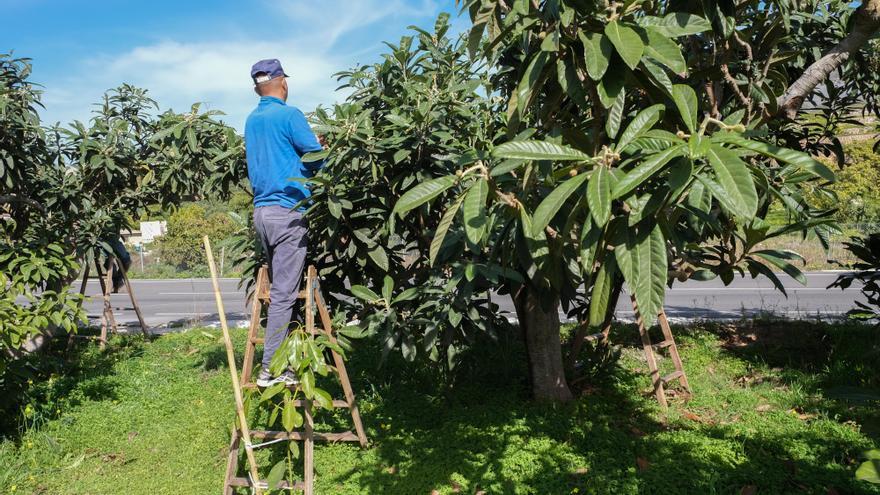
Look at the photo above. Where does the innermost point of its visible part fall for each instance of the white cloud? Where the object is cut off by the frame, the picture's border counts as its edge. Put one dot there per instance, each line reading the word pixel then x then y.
pixel 179 72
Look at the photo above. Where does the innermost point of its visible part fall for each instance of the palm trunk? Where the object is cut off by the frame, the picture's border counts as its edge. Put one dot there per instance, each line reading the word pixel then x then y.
pixel 540 327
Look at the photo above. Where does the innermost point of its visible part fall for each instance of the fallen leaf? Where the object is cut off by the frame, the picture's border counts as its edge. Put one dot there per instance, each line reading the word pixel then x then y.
pixel 763 408
pixel 691 416
pixel 581 470
pixel 749 490
pixel 637 432
pixel 456 488
pixel 391 470
pixel 131 435
pixel 642 463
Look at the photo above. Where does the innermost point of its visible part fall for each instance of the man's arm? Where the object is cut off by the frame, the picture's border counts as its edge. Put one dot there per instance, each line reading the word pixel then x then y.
pixel 303 139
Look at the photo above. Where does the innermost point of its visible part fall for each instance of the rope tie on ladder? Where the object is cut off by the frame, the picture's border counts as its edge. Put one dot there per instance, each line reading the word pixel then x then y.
pixel 270 442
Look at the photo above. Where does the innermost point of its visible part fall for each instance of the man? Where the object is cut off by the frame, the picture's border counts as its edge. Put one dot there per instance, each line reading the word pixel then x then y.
pixel 276 137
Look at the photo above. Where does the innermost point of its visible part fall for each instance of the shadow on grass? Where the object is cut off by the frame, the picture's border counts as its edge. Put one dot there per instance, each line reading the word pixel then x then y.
pixel 77 372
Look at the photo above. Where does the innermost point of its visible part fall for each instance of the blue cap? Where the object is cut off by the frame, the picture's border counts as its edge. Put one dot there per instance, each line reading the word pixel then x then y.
pixel 267 70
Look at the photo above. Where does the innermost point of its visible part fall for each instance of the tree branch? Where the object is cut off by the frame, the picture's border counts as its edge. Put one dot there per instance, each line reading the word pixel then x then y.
pixel 866 22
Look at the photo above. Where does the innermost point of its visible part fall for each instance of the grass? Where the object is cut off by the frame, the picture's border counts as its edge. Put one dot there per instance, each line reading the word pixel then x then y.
pixel 778 408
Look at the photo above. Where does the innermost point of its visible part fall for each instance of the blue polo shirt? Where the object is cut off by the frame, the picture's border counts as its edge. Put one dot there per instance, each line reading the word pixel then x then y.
pixel 276 137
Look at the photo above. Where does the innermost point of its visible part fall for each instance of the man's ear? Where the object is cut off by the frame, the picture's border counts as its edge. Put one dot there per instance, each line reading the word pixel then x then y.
pixel 257 90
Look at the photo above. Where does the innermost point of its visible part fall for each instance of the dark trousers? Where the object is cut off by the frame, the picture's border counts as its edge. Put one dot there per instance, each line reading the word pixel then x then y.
pixel 284 235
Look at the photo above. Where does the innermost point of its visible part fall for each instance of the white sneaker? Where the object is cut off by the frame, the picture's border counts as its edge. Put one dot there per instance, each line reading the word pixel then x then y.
pixel 267 380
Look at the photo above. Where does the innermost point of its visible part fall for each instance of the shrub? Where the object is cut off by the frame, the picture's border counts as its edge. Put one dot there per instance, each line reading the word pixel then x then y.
pixel 181 245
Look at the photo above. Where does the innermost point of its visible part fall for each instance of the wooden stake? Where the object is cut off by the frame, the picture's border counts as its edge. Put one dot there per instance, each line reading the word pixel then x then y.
pixel 230 357
pixel 309 447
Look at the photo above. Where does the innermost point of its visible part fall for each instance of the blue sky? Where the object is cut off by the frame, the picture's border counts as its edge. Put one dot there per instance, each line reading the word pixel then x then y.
pixel 198 50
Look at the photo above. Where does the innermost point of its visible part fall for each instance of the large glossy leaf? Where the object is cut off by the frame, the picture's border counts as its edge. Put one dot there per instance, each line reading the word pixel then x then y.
pixel 554 201
pixel 599 195
pixel 642 260
pixel 626 41
pixel 733 175
pixel 796 158
pixel 529 84
pixel 443 228
pixel 642 122
pixel 780 259
pixel 600 296
pixel 615 115
pixel 422 193
pixel 665 51
pixel 539 150
pixel 539 251
pixel 364 293
pixel 677 24
pixel 686 100
pixel 475 211
pixel 610 87
pixel 597 53
pixel 644 171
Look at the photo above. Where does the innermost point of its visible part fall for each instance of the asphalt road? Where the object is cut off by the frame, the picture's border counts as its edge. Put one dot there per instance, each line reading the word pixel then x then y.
pixel 169 304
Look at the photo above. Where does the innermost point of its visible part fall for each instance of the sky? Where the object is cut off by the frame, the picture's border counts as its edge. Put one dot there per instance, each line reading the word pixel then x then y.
pixel 188 51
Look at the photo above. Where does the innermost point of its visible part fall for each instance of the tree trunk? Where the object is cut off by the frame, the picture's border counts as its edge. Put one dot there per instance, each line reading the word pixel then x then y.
pixel 866 22
pixel 540 328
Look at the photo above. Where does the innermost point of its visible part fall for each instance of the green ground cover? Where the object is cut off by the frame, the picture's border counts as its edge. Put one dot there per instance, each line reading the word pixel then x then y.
pixel 778 408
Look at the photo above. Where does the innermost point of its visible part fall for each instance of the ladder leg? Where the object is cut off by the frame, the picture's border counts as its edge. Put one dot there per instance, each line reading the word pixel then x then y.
pixel 232 462
pixel 327 323
pixel 247 367
pixel 649 356
pixel 673 350
pixel 309 447
pixel 137 309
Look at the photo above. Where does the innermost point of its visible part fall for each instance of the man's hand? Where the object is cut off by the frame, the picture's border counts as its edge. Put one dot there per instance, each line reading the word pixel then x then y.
pixel 322 141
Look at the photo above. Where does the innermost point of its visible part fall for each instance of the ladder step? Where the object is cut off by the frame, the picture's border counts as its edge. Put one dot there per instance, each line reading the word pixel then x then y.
pixel 264 485
pixel 595 336
pixel 258 340
pixel 672 376
pixel 664 344
pixel 344 436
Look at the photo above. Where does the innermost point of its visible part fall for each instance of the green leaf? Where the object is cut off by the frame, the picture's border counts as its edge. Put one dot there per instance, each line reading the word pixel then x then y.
pixel 323 399
pixel 611 86
pixel 676 24
pixel 660 75
pixel 443 228
pixel 363 293
pixel 665 51
pixel 407 295
pixel 287 415
pixel 642 260
pixel 644 170
pixel 307 382
pixel 589 243
pixel 780 259
pixel 615 115
pixel 554 201
pixel 792 157
pixel 539 251
pixel 475 211
pixel 529 84
pixel 642 122
pixel 686 100
pixel 379 257
pixel 597 53
pixel 276 474
pixel 387 288
pixel 422 193
pixel 732 174
pixel 599 195
pixel 600 296
pixel 626 41
pixel 869 470
pixel 270 392
pixel 539 150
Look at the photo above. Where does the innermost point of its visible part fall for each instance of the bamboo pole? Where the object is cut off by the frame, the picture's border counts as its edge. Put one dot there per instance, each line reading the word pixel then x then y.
pixel 230 357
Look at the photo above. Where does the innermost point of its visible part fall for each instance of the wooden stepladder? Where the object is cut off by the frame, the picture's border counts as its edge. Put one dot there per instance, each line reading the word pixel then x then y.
pixel 668 343
pixel 658 381
pixel 108 321
pixel 241 433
